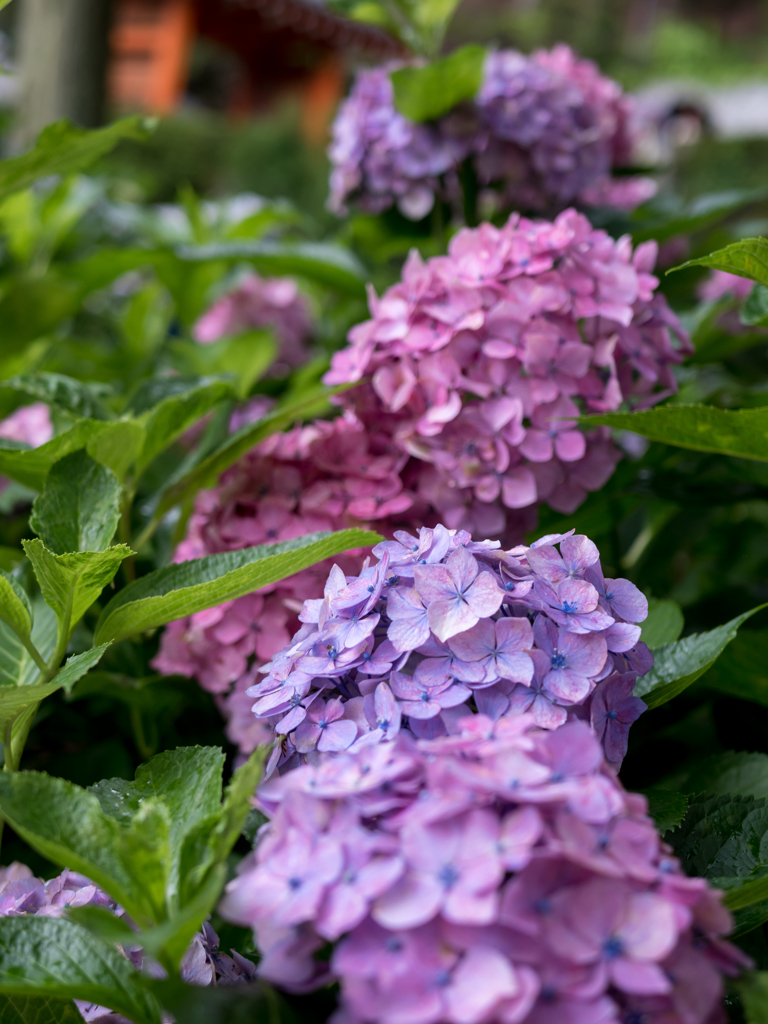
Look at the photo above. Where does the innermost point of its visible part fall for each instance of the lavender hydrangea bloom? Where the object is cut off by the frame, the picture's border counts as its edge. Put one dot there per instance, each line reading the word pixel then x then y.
pixel 497 874
pixel 543 131
pixel 439 621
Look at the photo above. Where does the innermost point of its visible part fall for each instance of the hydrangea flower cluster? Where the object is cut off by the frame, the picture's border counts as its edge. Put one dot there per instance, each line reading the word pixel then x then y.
pixel 261 302
pixel 497 874
pixel 22 894
pixel 480 361
pixel 719 283
pixel 439 623
pixel 324 476
pixel 544 130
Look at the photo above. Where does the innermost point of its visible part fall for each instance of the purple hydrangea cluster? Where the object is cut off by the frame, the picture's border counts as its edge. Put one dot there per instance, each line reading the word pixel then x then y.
pixel 544 130
pixel 499 874
pixel 22 894
pixel 480 362
pixel 261 302
pixel 439 625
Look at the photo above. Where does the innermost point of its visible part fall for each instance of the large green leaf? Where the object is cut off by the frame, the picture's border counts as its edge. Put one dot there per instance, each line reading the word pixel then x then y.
pixel 677 665
pixel 66 824
pixel 15 609
pixel 741 432
pixel 256 1003
pixel 169 418
pixel 747 258
pixel 428 92
pixel 664 623
pixel 70 583
pixel 74 396
pixel 205 473
pixel 38 1010
pixel 58 959
pixel 666 807
pixel 742 671
pixel 33 307
pixel 62 148
pixel 189 587
pixel 754 312
pixel 79 506
pixel 108 443
pixel 16 665
pixel 187 781
pixel 724 837
pixel 736 772
pixel 323 262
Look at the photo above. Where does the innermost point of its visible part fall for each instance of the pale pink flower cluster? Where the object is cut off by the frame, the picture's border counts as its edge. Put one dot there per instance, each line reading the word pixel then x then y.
pixel 500 874
pixel 439 625
pixel 720 283
pixel 324 476
pixel 479 362
pixel 261 302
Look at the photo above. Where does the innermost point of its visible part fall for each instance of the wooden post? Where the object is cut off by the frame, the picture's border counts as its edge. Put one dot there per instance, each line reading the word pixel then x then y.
pixel 63 56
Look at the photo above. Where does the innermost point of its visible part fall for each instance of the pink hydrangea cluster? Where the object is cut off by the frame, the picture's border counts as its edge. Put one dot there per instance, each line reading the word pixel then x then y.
pixel 544 130
pixel 500 874
pixel 324 476
pixel 440 624
pixel 261 302
pixel 479 362
pixel 719 283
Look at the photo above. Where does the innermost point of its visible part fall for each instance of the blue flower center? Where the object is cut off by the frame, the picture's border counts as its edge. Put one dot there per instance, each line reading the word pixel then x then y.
pixel 543 906
pixel 612 947
pixel 568 607
pixel 558 660
pixel 294 883
pixel 613 714
pixel 448 876
pixel 393 945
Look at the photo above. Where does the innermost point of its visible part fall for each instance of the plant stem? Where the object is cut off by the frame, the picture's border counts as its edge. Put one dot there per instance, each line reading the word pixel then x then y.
pixel 37 657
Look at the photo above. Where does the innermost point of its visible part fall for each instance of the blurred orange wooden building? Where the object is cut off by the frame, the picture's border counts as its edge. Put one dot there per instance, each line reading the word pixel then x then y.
pixel 258 49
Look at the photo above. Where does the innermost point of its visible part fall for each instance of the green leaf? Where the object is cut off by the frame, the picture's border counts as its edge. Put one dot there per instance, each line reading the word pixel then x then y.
pixel 212 842
pixel 312 403
pixel 16 665
pixel 38 1010
pixel 256 1003
pixel 169 418
pixel 188 587
pixel 108 443
pixel 666 807
pixel 755 309
pixel 724 837
pixel 73 396
pixel 741 432
pixel 747 258
pixel 145 846
pixel 79 506
pixel 33 307
pixel 102 923
pixel 328 264
pixel 70 583
pixel 753 989
pixel 244 357
pixel 15 700
pixel 66 824
pixel 742 670
pixel 188 783
pixel 664 623
pixel 679 664
pixel 426 93
pixel 55 958
pixel 62 148
pixel 735 772
pixel 15 609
